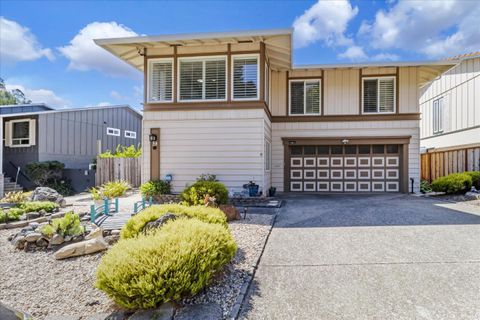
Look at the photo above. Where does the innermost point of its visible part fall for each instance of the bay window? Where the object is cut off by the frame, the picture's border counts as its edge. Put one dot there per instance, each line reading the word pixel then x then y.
pixel 305 97
pixel 378 95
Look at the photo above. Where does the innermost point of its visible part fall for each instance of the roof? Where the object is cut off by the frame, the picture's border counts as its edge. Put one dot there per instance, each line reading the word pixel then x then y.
pixel 22 108
pixel 72 110
pixel 278 44
pixel 465 56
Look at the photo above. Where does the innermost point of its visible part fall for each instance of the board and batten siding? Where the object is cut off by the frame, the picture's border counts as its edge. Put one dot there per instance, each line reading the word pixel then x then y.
pixel 460 89
pixel 227 143
pixel 345 129
pixel 267 175
pixel 341 89
pixel 71 136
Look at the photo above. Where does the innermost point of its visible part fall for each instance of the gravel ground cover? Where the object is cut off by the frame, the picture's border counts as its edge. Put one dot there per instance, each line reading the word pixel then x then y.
pixel 459 198
pixel 36 283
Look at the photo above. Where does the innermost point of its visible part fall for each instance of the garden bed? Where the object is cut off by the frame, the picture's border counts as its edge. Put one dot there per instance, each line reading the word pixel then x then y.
pixel 36 283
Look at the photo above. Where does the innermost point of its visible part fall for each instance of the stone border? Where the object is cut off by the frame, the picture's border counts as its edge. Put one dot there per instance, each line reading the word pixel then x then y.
pixel 24 223
pixel 248 281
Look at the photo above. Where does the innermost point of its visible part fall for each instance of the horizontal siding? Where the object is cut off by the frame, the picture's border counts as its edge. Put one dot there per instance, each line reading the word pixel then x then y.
pixel 228 143
pixel 340 129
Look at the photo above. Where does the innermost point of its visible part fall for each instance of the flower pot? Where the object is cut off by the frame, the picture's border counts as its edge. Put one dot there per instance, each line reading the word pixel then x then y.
pixel 253 190
pixel 272 191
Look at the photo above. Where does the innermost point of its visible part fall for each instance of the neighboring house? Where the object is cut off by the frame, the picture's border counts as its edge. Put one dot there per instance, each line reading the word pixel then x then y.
pixel 450 126
pixel 74 137
pixel 232 104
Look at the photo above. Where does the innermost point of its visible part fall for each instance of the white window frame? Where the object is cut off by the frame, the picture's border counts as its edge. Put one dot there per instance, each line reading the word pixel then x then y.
pixel 130 134
pixel 115 132
pixel 243 56
pixel 438 115
pixel 203 59
pixel 268 159
pixel 304 97
pixel 149 79
pixel 378 95
pixel 31 133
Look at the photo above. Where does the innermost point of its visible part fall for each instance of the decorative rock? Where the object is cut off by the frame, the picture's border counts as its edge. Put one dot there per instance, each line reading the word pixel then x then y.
pixel 77 238
pixel 57 239
pixel 159 222
pixel 42 243
pixel 471 195
pixel 42 212
pixel 115 232
pixel 47 194
pixel 200 312
pixel 111 240
pixel 230 211
pixel 34 225
pixel 68 238
pixel 33 237
pixel 165 312
pixel 95 233
pixel 32 215
pixel 92 245
pixel 19 242
pixel 23 217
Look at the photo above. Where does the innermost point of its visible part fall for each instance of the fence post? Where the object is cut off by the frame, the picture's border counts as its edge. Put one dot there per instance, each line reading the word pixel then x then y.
pixel 92 213
pixel 106 207
pixel 116 205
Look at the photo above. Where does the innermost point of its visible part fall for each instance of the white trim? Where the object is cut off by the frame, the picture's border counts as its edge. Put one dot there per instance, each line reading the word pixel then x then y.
pixel 437 116
pixel 232 89
pixel 130 134
pixel 366 77
pixel 202 59
pixel 149 78
pixel 31 133
pixel 115 132
pixel 305 97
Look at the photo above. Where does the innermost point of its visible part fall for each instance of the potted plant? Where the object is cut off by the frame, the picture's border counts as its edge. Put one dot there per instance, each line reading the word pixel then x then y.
pixel 271 191
pixel 252 188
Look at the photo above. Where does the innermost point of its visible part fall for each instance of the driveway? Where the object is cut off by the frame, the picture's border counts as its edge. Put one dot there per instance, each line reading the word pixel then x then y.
pixel 369 257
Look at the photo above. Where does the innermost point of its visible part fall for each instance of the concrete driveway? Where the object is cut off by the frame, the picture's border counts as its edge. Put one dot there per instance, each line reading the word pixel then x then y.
pixel 369 257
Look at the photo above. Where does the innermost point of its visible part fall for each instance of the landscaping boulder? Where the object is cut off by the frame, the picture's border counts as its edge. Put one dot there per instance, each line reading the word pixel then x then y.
pixel 471 195
pixel 94 244
pixel 47 194
pixel 33 237
pixel 57 240
pixel 32 215
pixel 19 242
pixel 159 222
pixel 230 211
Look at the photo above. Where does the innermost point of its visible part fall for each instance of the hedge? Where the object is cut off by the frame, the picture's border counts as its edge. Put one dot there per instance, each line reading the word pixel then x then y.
pixel 475 175
pixel 453 183
pixel 136 223
pixel 175 262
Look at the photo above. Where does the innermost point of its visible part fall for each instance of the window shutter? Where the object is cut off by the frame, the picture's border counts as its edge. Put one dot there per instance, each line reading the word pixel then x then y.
pixel 215 77
pixel 370 95
pixel 312 98
pixel 32 132
pixel 245 78
pixel 8 134
pixel 161 81
pixel 191 80
pixel 296 97
pixel 386 95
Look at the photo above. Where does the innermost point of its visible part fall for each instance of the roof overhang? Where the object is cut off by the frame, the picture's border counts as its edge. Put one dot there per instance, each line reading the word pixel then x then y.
pixel 278 44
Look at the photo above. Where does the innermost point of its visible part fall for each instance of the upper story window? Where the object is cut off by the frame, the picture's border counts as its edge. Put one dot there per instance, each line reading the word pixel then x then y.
pixel 305 97
pixel 160 87
pixel 202 79
pixel 378 95
pixel 437 115
pixel 20 133
pixel 245 77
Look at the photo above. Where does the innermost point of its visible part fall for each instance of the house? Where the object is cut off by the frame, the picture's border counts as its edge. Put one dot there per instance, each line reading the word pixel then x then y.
pixel 232 104
pixel 36 132
pixel 450 125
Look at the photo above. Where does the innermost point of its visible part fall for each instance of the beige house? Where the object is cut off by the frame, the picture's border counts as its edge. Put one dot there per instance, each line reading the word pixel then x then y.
pixel 450 125
pixel 232 104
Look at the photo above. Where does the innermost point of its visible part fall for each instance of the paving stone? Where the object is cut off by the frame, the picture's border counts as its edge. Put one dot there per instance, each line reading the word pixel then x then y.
pixel 209 311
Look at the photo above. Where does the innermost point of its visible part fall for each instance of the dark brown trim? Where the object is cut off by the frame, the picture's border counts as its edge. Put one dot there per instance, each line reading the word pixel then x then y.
pixel 175 67
pixel 360 91
pixel 155 156
pixel 262 71
pixel 397 86
pixel 306 141
pixel 369 117
pixel 322 92
pixel 286 167
pixel 229 72
pixel 203 54
pixel 379 75
pixel 404 181
pixel 145 75
pixel 287 94
pixel 306 77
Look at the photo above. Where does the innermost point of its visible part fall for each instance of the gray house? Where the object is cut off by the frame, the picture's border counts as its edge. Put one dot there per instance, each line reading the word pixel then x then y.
pixel 36 132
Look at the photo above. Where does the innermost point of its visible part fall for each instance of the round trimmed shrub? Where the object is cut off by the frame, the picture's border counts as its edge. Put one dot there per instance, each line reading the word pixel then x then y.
pixel 175 262
pixel 196 193
pixel 155 188
pixel 135 224
pixel 453 183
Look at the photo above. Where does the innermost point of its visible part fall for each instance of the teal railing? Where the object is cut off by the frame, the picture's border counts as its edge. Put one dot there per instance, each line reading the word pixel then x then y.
pixel 142 204
pixel 107 208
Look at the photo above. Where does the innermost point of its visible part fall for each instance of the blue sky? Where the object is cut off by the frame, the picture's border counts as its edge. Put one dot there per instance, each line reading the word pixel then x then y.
pixel 46 48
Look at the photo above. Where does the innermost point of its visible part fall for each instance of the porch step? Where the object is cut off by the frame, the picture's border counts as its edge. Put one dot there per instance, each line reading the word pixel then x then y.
pixel 10 186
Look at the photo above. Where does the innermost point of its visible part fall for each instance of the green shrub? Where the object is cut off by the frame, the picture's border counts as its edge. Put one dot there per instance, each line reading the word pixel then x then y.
pixel 207 177
pixel 122 152
pixel 41 172
pixel 110 190
pixel 136 223
pixel 475 175
pixel 176 262
pixel 47 230
pixel 12 214
pixel 31 206
pixel 425 186
pixel 68 225
pixel 196 193
pixel 16 197
pixel 453 183
pixel 154 188
pixel 63 186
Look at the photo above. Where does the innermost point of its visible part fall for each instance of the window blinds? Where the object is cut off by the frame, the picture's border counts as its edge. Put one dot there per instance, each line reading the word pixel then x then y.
pixel 203 79
pixel 161 81
pixel 245 78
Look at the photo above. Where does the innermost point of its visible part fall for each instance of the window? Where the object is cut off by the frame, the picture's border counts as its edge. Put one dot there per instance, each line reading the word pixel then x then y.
pixel 130 134
pixel 202 79
pixel 268 158
pixel 20 133
pixel 113 132
pixel 304 97
pixel 438 115
pixel 378 95
pixel 160 87
pixel 245 77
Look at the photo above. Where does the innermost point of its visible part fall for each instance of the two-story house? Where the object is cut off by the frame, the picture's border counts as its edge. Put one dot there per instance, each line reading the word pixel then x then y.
pixel 450 126
pixel 232 104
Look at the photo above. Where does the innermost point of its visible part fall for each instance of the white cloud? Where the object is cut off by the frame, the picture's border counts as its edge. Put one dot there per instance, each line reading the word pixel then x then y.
pixel 41 96
pixel 138 91
pixel 104 104
pixel 385 57
pixel 17 43
pixel 353 53
pixel 426 27
pixel 324 21
pixel 117 96
pixel 85 55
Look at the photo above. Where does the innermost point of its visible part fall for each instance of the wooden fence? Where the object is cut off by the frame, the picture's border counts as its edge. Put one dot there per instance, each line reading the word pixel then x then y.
pixel 112 169
pixel 442 163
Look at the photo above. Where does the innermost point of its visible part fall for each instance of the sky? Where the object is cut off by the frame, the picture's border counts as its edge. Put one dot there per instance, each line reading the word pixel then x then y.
pixel 46 47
